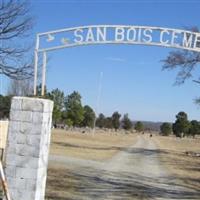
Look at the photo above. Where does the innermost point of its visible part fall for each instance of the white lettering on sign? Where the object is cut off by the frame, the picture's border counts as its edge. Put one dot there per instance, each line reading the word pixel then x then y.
pixel 175 35
pixel 162 34
pixel 90 36
pixel 187 40
pixel 197 40
pixel 148 35
pixel 119 34
pixel 131 34
pixel 139 35
pixel 78 35
pixel 101 34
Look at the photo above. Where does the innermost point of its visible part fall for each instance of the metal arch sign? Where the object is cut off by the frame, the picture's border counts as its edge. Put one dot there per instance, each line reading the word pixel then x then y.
pixel 112 34
pixel 120 34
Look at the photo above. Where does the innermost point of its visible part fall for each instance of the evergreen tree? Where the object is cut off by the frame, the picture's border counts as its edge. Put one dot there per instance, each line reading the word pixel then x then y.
pixel 194 128
pixel 108 123
pixel 100 122
pixel 116 120
pixel 89 117
pixel 166 129
pixel 5 102
pixel 57 96
pixel 181 125
pixel 126 122
pixel 139 126
pixel 74 109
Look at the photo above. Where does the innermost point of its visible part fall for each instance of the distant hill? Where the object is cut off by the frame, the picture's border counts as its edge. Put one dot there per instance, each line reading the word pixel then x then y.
pixel 149 125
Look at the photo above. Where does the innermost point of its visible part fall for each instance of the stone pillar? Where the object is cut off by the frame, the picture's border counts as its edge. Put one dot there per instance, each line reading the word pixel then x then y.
pixel 27 147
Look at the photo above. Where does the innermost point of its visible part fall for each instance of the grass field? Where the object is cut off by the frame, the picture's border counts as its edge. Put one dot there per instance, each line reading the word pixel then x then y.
pixel 99 146
pixel 182 166
pixel 64 183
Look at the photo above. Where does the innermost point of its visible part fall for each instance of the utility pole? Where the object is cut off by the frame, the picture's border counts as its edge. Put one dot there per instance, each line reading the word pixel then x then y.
pixel 98 101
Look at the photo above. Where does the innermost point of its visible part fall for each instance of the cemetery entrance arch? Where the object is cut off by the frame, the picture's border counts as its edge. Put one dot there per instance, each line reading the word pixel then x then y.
pixel 110 34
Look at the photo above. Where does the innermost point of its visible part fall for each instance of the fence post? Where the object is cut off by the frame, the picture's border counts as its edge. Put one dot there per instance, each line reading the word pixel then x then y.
pixel 28 142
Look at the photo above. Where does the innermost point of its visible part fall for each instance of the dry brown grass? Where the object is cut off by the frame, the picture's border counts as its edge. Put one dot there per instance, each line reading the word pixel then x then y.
pixel 100 146
pixel 61 183
pixel 173 156
pixel 64 183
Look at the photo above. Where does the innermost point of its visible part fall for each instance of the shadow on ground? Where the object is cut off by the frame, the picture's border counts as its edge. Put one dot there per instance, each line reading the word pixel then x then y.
pixel 68 145
pixel 88 184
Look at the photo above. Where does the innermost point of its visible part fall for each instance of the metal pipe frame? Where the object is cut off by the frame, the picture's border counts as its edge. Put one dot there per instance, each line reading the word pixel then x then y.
pixel 45 50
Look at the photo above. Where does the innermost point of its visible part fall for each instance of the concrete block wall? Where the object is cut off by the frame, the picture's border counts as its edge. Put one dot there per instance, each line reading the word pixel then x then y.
pixel 27 147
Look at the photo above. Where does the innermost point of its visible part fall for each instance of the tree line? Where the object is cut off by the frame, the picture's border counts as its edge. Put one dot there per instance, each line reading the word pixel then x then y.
pixel 182 127
pixel 68 110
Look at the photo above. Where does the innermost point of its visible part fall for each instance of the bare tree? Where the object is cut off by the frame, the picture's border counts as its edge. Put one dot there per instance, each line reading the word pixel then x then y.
pixel 20 87
pixel 15 24
pixel 184 60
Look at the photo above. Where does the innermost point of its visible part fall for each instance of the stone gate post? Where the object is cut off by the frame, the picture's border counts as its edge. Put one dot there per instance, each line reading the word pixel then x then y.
pixel 27 147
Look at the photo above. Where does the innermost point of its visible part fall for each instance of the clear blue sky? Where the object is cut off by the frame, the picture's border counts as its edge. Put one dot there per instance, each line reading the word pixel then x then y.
pixel 133 80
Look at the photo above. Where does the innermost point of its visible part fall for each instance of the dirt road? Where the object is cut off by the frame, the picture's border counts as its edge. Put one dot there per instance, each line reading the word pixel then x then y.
pixel 134 173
